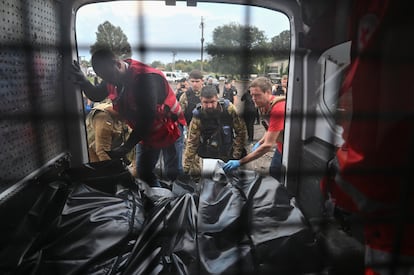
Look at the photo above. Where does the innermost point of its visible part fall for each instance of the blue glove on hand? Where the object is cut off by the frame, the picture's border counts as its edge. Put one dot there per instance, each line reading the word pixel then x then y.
pixel 231 165
pixel 255 146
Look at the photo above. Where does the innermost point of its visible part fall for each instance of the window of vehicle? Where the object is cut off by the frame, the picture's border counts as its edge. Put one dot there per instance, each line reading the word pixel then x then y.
pixel 333 108
pixel 252 41
pixel 205 37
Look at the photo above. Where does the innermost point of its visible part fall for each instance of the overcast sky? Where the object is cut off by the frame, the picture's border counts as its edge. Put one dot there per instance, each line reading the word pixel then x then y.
pixel 169 28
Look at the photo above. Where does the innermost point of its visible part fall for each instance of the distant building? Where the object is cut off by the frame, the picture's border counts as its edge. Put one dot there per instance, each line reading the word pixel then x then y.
pixel 275 66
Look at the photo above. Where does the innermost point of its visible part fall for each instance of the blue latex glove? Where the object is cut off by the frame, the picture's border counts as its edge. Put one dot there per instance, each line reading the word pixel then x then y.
pixel 257 144
pixel 231 165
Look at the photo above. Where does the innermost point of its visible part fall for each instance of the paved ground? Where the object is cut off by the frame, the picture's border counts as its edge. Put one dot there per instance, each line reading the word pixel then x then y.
pixel 260 165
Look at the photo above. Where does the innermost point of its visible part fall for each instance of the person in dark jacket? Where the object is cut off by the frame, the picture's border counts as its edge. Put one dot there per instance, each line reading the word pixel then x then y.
pixel 216 131
pixel 191 97
pixel 230 92
pixel 249 114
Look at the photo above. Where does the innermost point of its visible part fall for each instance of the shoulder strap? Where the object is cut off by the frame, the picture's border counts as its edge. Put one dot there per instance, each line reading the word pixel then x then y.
pixel 225 116
pixel 277 99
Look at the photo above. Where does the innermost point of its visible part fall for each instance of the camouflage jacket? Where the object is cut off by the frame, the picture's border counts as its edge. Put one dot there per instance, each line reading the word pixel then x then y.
pixel 194 136
pixel 105 132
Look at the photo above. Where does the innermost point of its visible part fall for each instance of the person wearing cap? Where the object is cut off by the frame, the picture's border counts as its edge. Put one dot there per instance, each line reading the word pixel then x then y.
pixel 230 92
pixel 188 101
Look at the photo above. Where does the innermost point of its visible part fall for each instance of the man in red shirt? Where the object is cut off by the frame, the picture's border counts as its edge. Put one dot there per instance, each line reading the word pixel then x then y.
pixel 272 111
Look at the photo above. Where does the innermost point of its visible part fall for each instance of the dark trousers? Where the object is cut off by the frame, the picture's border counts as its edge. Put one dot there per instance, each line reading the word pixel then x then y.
pixel 249 120
pixel 257 116
pixel 148 157
pixel 275 169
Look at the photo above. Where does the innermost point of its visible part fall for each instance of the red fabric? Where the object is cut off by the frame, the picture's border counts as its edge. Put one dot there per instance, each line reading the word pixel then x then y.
pixel 375 149
pixel 383 236
pixel 339 197
pixel 277 120
pixel 377 154
pixel 165 130
pixel 379 142
pixel 369 271
pixel 136 67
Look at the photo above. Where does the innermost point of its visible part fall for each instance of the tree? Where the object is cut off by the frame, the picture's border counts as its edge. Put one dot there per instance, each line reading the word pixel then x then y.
pixel 157 64
pixel 280 45
pixel 109 36
pixel 281 69
pixel 238 50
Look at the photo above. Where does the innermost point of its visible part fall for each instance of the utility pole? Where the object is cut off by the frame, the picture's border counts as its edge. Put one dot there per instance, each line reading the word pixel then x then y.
pixel 202 42
pixel 174 52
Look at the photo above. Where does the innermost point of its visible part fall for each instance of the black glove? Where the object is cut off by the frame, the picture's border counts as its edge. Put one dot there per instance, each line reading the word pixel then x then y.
pixel 119 153
pixel 79 76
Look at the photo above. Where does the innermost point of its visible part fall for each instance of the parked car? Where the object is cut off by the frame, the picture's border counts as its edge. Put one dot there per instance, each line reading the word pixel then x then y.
pixel 172 76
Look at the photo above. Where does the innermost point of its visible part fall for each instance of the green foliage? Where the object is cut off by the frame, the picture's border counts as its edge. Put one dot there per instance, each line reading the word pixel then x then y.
pixel 286 71
pixel 280 45
pixel 237 49
pixel 85 63
pixel 109 36
pixel 157 64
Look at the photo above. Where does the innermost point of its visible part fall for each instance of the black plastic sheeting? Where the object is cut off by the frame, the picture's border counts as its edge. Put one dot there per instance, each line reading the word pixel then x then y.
pixel 110 223
pixel 249 225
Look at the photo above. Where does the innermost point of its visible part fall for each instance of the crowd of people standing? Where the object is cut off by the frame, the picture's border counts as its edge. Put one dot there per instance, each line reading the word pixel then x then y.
pixel 183 124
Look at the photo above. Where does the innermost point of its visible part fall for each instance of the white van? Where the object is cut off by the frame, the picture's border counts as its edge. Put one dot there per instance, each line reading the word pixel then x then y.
pixel 171 76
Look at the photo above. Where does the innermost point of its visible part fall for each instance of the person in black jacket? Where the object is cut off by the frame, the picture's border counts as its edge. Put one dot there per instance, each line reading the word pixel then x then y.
pixel 230 92
pixel 249 114
pixel 191 97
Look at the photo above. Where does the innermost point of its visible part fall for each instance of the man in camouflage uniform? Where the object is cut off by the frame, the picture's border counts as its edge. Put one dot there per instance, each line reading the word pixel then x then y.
pixel 215 131
pixel 191 97
pixel 188 101
pixel 105 132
